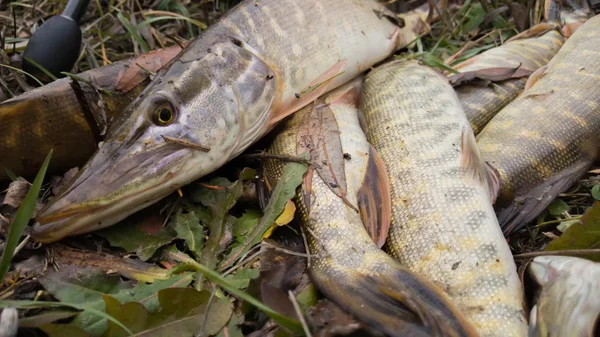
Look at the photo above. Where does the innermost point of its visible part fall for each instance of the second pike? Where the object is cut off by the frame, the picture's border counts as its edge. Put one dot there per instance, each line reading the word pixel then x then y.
pixel 443 223
pixel 548 137
pixel 346 193
pixel 258 64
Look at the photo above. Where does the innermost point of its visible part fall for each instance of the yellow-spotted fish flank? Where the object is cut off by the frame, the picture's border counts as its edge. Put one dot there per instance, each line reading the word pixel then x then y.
pixel 443 224
pixel 335 209
pixel 547 137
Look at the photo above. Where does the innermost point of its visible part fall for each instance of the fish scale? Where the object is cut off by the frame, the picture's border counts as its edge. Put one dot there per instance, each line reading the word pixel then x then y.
pixel 547 137
pixel 443 223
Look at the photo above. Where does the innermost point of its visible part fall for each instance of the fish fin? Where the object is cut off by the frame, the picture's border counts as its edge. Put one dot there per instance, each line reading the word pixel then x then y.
pixel 524 208
pixel 397 302
pixel 152 61
pixel 494 74
pixel 374 199
pixel 535 77
pixel 314 90
pixel 535 31
pixel 471 161
pixel 570 28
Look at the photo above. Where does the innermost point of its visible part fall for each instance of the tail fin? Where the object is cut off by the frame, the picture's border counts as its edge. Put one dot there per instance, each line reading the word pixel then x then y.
pixel 396 302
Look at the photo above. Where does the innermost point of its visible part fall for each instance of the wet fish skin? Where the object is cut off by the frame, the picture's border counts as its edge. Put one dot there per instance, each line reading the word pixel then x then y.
pixel 482 102
pixel 567 304
pixel 345 264
pixel 51 117
pixel 443 223
pixel 547 137
pixel 227 89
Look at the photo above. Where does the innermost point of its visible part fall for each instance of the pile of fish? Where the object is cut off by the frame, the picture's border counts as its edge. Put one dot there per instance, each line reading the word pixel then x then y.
pixel 406 211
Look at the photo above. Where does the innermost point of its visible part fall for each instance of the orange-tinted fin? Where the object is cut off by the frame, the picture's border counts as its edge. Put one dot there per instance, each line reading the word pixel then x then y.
pixel 490 74
pixel 152 61
pixel 471 161
pixel 526 207
pixel 374 199
pixel 535 77
pixel 570 28
pixel 535 31
pixel 314 90
pixel 397 302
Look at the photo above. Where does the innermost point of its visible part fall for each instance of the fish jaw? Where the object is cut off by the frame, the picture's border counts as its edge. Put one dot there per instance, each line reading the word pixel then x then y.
pixel 220 99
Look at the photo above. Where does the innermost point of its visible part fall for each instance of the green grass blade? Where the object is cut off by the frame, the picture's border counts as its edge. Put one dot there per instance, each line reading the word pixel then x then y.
pixel 22 218
pixel 289 323
pixel 22 72
pixel 43 304
pixel 40 67
pixel 10 174
pixel 178 17
pixel 133 32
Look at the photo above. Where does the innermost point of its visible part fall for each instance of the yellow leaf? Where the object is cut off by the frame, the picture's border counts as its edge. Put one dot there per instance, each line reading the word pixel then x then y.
pixel 285 218
pixel 287 215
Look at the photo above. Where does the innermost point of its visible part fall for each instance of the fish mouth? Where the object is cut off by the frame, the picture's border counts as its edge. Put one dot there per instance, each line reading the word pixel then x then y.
pixel 115 183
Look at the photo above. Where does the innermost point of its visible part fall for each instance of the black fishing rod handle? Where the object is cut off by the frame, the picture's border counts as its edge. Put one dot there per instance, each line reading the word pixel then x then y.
pixel 56 44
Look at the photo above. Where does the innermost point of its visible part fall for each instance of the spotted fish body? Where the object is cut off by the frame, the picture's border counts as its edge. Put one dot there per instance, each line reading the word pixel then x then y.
pixel 546 138
pixel 443 223
pixel 258 64
pixel 567 304
pixel 51 117
pixel 481 102
pixel 345 264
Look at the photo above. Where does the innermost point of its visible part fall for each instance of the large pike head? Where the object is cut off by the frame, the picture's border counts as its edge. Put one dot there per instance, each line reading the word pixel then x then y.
pixel 206 107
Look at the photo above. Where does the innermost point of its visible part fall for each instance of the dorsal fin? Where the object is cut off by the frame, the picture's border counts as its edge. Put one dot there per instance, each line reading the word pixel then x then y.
pixel 471 161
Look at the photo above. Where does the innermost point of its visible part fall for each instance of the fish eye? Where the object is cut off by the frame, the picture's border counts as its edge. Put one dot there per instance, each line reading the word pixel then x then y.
pixel 164 115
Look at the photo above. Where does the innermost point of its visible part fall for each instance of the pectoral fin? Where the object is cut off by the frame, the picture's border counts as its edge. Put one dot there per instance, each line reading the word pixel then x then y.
pixel 314 90
pixel 475 166
pixel 535 77
pixel 374 200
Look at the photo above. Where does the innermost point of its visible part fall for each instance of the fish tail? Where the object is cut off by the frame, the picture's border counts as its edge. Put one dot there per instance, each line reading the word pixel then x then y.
pixel 394 301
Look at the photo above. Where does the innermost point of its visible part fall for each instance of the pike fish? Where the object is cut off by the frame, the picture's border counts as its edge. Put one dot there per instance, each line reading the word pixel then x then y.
pixel 343 204
pixel 507 67
pixel 568 303
pixel 53 117
pixel 443 223
pixel 547 137
pixel 258 64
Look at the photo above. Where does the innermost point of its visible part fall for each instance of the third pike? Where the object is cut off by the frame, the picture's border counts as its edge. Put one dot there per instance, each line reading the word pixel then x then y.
pixel 259 63
pixel 443 223
pixel 547 138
